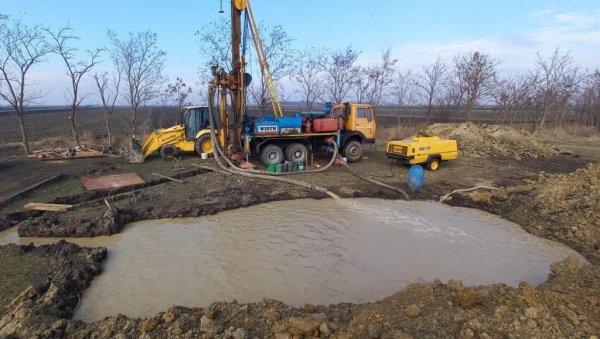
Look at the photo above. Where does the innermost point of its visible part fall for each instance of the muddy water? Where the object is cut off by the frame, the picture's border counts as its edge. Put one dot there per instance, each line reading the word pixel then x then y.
pixel 309 251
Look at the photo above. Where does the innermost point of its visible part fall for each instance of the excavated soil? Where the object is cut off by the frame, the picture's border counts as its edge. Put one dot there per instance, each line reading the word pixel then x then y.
pixel 563 208
pixel 565 306
pixel 492 140
pixel 560 204
pixel 51 294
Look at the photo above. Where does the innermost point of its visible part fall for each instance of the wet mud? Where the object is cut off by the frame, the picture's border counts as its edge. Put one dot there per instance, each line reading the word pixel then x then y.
pixel 566 305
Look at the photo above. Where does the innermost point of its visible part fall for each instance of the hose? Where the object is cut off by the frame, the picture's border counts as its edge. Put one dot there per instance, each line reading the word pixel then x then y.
pixel 378 183
pixel 250 170
pixel 246 173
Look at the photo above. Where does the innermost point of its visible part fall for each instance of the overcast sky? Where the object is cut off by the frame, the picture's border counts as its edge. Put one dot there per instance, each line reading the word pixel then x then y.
pixel 417 31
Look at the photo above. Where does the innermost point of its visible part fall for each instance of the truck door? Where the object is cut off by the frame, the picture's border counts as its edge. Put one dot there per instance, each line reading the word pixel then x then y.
pixel 364 122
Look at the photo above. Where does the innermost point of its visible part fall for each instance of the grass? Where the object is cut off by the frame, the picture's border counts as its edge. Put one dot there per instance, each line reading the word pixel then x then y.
pixel 19 271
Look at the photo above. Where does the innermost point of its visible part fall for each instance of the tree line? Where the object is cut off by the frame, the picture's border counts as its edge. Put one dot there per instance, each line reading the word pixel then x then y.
pixel 552 91
pixel 136 77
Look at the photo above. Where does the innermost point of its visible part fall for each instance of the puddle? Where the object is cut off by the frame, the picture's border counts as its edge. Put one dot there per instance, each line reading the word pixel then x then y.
pixel 307 251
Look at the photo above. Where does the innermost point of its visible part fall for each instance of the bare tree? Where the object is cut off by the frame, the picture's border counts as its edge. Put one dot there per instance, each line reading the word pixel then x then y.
pixel 589 101
pixel 308 74
pixel 281 58
pixel 429 84
pixel 108 88
pixel 142 63
pixel 214 40
pixel 515 97
pixel 380 76
pixel 402 89
pixel 476 75
pixel 360 84
pixel 180 91
pixel 21 48
pixel 341 71
pixel 558 81
pixel 76 70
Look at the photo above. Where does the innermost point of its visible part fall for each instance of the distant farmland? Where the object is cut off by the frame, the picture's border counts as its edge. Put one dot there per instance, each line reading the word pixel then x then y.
pixel 52 121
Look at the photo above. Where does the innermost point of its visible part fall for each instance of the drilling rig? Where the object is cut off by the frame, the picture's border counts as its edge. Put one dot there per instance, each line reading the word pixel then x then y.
pixel 272 139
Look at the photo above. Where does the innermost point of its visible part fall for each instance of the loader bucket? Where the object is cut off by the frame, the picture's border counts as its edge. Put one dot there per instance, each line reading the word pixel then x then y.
pixel 136 155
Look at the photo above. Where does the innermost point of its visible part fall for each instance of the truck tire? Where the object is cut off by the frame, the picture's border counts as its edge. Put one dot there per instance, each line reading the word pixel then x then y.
pixel 203 145
pixel 271 154
pixel 168 151
pixel 353 151
pixel 296 153
pixel 433 164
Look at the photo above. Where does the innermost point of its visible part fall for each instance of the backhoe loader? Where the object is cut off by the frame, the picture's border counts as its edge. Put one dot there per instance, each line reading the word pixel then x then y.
pixel 191 136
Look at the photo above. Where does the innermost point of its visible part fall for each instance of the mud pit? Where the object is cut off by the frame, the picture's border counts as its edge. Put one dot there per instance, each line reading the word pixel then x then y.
pixel 315 252
pixel 308 251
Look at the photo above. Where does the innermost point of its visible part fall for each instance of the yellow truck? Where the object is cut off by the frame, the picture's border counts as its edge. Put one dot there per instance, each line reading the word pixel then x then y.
pixel 422 149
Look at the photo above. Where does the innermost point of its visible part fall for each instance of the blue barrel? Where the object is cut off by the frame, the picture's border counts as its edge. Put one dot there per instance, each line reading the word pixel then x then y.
pixel 416 178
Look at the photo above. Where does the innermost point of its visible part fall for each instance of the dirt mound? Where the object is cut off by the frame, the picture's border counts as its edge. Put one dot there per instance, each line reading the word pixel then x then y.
pixel 41 309
pixel 561 207
pixel 491 140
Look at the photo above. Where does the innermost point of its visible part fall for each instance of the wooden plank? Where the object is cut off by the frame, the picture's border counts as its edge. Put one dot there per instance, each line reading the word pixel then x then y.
pixel 75 157
pixel 168 178
pixel 47 207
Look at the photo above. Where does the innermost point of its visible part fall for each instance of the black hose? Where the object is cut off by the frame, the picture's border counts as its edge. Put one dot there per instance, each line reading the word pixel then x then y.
pixel 373 181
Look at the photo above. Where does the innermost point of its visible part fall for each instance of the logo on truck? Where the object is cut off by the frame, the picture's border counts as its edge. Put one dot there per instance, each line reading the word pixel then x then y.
pixel 268 129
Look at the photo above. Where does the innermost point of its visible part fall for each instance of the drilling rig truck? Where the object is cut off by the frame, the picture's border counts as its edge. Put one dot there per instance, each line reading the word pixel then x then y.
pixel 272 139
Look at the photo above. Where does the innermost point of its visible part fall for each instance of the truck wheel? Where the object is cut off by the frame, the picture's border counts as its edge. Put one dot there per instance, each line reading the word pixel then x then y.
pixel 203 145
pixel 168 151
pixel 433 164
pixel 296 153
pixel 353 151
pixel 271 154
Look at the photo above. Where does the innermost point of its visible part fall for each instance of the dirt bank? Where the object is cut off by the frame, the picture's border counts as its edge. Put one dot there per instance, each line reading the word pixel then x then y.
pixel 60 273
pixel 206 192
pixel 563 208
pixel 565 306
pixel 492 140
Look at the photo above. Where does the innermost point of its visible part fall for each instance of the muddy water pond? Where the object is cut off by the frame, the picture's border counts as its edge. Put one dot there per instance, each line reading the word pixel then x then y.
pixel 307 251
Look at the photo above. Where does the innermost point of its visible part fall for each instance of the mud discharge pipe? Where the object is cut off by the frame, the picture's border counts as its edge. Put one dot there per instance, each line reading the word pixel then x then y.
pixel 373 181
pixel 253 173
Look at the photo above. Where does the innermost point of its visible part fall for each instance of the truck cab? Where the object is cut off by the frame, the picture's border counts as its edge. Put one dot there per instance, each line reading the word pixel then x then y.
pixel 359 128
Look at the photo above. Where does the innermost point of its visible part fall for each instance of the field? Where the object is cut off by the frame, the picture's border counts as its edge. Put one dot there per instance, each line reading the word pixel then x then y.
pixel 52 122
pixel 551 190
